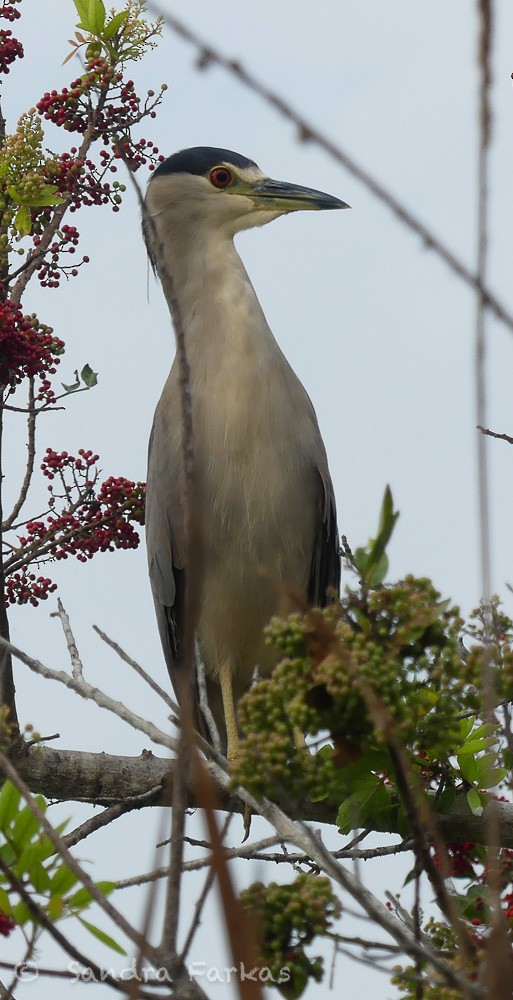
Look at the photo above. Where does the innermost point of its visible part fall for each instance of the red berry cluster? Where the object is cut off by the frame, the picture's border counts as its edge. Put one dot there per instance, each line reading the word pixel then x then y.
pixel 100 99
pixel 27 349
pixel 91 520
pixel 25 588
pixel 72 107
pixel 56 462
pixel 10 49
pixel 7 924
pixel 8 12
pixel 50 270
pixel 461 859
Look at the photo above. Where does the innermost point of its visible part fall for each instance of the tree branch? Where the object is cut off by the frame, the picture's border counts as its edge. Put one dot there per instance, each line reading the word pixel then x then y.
pixel 105 779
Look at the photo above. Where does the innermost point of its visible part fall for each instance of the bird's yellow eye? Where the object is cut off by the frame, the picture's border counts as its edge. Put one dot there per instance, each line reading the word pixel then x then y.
pixel 220 177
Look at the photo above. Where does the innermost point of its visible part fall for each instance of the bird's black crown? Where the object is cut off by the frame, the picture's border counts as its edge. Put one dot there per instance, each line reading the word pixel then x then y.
pixel 201 159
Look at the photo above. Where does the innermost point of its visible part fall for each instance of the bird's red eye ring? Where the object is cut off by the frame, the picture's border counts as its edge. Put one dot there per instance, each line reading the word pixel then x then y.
pixel 220 177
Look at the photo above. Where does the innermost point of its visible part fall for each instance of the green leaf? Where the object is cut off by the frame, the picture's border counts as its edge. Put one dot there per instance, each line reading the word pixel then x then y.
pixel 55 906
pixel 465 727
pixel 371 800
pixel 372 561
pixel 82 7
pixel 96 17
pixel 91 14
pixel 475 747
pixel 5 903
pixel 46 196
pixel 28 857
pixel 445 800
pixel 21 913
pixel 63 880
pixel 377 570
pixel 468 767
pixel 485 772
pixel 26 825
pixel 89 377
pixel 80 899
pixel 474 801
pixel 39 877
pixel 102 936
pixel 9 802
pixel 22 221
pixel 115 24
pixel 74 386
pixel 8 856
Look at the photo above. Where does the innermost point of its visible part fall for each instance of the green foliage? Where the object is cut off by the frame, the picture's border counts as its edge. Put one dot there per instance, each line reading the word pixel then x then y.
pixel 30 855
pixel 288 919
pixel 123 36
pixel 86 380
pixel 24 171
pixel 384 667
pixel 401 644
pixel 372 560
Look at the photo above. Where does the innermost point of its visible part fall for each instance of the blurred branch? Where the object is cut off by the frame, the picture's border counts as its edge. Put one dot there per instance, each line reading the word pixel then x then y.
pixel 209 55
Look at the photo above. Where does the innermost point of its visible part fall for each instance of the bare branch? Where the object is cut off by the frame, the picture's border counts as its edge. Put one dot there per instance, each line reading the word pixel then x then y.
pixel 138 670
pixel 88 691
pixel 32 412
pixel 77 669
pixel 494 434
pixel 97 822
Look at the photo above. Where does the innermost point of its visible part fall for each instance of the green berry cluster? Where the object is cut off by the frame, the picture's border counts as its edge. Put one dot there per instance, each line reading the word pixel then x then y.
pixel 443 939
pixel 24 188
pixel 288 918
pixel 397 646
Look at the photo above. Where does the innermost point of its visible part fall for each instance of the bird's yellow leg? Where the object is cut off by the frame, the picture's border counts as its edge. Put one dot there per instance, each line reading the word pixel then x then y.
pixel 299 739
pixel 232 732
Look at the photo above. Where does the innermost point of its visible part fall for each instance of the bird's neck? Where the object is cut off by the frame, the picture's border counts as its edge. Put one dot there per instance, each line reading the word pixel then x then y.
pixel 219 310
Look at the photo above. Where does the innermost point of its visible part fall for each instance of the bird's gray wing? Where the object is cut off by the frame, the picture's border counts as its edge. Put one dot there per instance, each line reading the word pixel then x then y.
pixel 324 582
pixel 165 543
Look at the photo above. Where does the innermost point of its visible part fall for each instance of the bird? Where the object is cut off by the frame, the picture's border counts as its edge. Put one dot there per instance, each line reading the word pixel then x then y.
pixel 268 514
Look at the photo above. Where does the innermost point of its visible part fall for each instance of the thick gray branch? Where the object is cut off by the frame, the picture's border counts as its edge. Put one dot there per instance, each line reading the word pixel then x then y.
pixel 104 779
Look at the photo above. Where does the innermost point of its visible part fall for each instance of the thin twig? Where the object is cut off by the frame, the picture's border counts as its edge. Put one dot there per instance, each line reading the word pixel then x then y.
pixel 202 898
pixel 31 448
pixel 98 821
pixel 77 669
pixel 494 434
pixel 138 670
pixel 87 691
pixel 39 914
pixel 209 55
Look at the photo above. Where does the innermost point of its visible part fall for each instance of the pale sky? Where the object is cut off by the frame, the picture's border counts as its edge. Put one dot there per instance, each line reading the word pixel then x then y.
pixel 376 327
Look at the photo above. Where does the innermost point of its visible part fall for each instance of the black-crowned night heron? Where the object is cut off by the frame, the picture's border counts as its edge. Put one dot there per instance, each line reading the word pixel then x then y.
pixel 268 510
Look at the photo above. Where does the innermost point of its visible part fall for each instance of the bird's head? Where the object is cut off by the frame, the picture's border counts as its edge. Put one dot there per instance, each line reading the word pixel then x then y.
pixel 205 187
